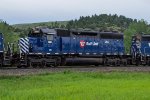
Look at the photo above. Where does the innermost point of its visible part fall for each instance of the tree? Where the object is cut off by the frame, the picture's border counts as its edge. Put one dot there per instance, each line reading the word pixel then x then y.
pixel 101 21
pixel 135 28
pixel 140 27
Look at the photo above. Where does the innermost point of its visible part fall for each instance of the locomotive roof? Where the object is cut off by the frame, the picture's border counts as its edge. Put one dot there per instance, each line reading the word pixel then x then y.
pixel 146 35
pixel 143 35
pixel 111 35
pixel 98 32
pixel 68 32
pixel 110 32
pixel 47 30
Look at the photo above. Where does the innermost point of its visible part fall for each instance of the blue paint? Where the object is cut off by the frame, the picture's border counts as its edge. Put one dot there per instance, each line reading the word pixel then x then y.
pixel 76 44
pixel 1 42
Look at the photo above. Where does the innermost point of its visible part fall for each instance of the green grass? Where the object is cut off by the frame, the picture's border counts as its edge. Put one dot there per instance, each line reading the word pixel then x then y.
pixel 76 86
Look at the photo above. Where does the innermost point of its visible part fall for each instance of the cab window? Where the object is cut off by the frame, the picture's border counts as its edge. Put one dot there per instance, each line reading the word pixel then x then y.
pixel 50 37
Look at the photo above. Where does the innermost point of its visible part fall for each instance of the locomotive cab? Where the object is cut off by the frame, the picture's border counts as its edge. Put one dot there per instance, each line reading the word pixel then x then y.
pixel 136 45
pixel 40 48
pixel 43 40
pixel 141 45
pixel 140 49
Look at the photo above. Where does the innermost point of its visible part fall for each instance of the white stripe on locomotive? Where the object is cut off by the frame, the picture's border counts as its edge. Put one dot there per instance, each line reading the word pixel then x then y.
pixel 26 42
pixel 24 45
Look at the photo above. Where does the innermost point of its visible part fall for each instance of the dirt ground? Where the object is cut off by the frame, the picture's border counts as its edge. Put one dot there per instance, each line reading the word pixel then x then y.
pixel 32 71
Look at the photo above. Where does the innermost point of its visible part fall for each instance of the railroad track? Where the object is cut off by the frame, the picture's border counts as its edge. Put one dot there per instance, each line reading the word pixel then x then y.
pixel 32 71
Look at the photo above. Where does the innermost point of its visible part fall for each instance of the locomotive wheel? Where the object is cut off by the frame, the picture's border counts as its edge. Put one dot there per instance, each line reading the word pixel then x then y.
pixel 58 61
pixel 104 62
pixel 55 65
pixel 1 63
pixel 41 65
pixel 34 65
pixel 125 63
pixel 63 61
pixel 144 64
pixel 137 63
pixel 109 62
pixel 114 63
pixel 118 63
pixel 48 65
pixel 96 65
pixel 148 63
pixel 19 66
pixel 24 66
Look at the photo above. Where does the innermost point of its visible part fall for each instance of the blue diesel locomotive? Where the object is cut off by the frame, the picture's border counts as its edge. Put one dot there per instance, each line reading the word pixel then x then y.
pixel 45 47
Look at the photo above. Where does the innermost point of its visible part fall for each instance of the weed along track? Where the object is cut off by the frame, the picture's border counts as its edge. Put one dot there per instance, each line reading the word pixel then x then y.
pixel 33 71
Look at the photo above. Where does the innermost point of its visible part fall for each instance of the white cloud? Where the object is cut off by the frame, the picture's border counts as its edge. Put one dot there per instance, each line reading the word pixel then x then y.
pixel 20 11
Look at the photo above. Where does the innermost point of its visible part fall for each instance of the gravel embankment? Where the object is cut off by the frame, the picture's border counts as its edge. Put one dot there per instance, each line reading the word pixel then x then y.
pixel 31 71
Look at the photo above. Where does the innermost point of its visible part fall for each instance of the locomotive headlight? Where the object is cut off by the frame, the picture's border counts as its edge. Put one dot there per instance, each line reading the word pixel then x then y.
pixel 49 42
pixel 149 44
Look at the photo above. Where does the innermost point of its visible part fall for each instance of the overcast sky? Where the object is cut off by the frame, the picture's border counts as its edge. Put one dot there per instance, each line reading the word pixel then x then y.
pixel 28 11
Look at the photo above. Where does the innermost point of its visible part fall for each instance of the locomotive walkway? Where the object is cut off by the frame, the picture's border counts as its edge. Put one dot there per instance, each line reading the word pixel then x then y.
pixel 32 71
